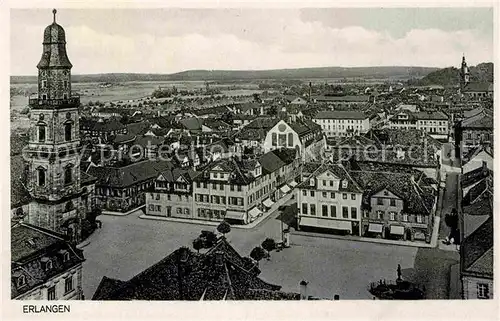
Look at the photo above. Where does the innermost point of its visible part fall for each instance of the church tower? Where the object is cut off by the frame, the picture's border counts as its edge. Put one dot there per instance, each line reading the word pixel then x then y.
pixel 54 142
pixel 464 74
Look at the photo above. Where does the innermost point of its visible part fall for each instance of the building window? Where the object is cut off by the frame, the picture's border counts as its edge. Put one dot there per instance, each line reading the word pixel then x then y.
pixel 44 84
pixel 151 207
pixel 344 196
pixel 324 182
pixel 380 215
pixel 231 187
pixel 353 197
pixel 178 210
pixel 51 293
pixel 324 195
pixel 214 186
pixel 68 284
pixel 67 132
pixel 482 291
pixel 405 217
pixel 392 216
pixel 313 209
pixel 290 140
pixel 304 208
pixel 158 208
pixel 186 211
pixel 380 201
pixel 41 177
pixel 419 218
pixel 312 193
pixel 304 192
pixel 66 257
pixel 41 133
pixel 324 210
pixel 354 213
pixel 158 196
pixel 332 195
pixel 239 188
pixel 68 175
pixel 345 212
pixel 282 140
pixel 333 211
pixel 393 202
pixel 274 139
pixel 331 183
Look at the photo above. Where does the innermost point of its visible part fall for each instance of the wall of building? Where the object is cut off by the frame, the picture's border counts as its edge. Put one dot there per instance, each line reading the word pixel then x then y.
pixel 158 203
pixel 470 287
pixel 341 127
pixel 40 292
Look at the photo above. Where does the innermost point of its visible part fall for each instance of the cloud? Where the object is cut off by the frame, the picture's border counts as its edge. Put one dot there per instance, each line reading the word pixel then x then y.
pixel 170 41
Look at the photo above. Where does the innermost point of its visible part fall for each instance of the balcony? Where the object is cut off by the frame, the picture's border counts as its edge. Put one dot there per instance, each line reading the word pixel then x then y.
pixel 73 101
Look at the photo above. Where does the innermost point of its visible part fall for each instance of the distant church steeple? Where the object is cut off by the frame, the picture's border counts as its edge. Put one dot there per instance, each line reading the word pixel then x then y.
pixel 464 73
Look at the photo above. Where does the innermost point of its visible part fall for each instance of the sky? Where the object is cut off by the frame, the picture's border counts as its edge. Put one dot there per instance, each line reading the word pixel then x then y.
pixel 171 40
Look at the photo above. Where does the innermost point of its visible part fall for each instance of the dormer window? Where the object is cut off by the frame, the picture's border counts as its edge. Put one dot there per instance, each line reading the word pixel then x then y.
pixel 66 257
pixel 21 281
pixel 311 182
pixel 344 184
pixel 46 264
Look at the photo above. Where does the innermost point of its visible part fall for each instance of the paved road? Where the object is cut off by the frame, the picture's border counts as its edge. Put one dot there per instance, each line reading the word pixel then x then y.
pixel 127 245
pixel 449 202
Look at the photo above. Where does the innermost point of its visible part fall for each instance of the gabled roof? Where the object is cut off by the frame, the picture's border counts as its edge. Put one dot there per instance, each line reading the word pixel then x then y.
pixel 416 200
pixel 337 114
pixel 29 245
pixel 477 251
pixel 128 175
pixel 475 176
pixel 191 123
pixel 219 274
pixel 337 170
pixel 483 120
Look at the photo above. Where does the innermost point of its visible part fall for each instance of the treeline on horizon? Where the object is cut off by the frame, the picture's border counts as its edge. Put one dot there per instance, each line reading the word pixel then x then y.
pixel 451 76
pixel 227 75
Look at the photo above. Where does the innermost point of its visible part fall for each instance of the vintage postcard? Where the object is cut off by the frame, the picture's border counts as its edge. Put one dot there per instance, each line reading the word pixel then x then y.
pixel 249 153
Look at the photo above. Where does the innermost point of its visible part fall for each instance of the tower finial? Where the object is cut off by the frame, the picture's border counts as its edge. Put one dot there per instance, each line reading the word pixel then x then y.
pixel 54 12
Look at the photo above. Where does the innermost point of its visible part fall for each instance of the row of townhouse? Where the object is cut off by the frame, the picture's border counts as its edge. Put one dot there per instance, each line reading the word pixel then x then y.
pixel 342 123
pixel 228 189
pixel 436 124
pixel 366 203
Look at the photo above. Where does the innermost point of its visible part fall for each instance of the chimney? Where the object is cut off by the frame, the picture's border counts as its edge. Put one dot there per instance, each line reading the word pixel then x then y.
pixel 303 290
pixel 336 297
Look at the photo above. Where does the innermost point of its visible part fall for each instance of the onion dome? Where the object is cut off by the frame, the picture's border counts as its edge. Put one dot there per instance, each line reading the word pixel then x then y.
pixel 54 47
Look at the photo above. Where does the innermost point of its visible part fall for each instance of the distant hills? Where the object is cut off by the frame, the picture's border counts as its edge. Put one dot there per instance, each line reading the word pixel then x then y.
pixel 399 72
pixel 451 76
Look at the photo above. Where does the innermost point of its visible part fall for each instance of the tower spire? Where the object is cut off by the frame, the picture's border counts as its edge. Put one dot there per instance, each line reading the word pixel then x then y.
pixel 54 12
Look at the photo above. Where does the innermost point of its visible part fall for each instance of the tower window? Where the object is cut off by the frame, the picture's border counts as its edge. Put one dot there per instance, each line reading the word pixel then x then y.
pixel 41 177
pixel 67 132
pixel 65 84
pixel 41 133
pixel 44 84
pixel 68 175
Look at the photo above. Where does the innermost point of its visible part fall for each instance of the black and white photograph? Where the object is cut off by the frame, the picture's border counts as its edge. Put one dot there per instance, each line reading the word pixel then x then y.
pixel 250 154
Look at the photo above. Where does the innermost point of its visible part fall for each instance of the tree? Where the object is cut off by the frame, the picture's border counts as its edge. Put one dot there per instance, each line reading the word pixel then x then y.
pixel 269 244
pixel 198 244
pixel 257 253
pixel 209 238
pixel 224 227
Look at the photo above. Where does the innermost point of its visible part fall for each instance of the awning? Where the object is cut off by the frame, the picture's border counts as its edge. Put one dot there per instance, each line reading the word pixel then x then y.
pixel 254 212
pixel 285 189
pixel 235 215
pixel 293 183
pixel 326 223
pixel 268 202
pixel 375 228
pixel 397 230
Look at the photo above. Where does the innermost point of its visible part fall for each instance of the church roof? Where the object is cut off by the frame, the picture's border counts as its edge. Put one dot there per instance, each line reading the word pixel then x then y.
pixel 54 56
